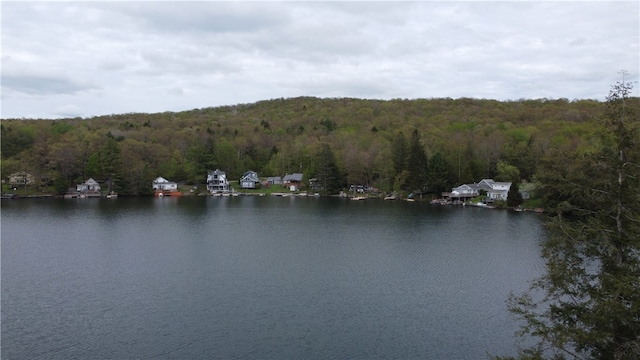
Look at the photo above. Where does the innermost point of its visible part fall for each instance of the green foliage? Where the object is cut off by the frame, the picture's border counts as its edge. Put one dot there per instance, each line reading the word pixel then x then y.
pixel 327 171
pixel 416 164
pixel 399 153
pixel 514 197
pixel 60 128
pixel 14 140
pixel 201 159
pixel 438 175
pixel 92 166
pixel 328 125
pixel 111 164
pixel 507 172
pixel 587 305
pixel 461 126
pixel 365 137
pixel 518 135
pixel 61 184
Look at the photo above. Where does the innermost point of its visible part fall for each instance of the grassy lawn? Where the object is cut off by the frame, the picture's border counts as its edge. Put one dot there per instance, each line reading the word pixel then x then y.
pixel 202 189
pixel 532 203
pixel 21 190
pixel 263 190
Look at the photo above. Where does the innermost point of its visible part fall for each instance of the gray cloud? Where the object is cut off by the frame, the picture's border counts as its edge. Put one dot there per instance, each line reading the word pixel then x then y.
pixel 112 57
pixel 42 85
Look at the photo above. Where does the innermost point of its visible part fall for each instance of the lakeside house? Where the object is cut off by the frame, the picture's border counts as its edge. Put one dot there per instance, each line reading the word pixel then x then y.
pixel 495 190
pixel 249 180
pixel 315 185
pixel 88 187
pixel 273 180
pixel 356 188
pixel 292 181
pixel 462 193
pixel 217 181
pixel 164 187
pixel 21 178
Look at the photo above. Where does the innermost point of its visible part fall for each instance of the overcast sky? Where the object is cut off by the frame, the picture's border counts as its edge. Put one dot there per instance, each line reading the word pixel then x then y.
pixel 68 59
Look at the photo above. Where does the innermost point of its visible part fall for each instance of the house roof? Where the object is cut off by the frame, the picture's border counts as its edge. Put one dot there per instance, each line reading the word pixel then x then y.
pixel 250 175
pixel 160 179
pixel 484 184
pixel 217 172
pixel 293 177
pixel 91 182
pixel 271 178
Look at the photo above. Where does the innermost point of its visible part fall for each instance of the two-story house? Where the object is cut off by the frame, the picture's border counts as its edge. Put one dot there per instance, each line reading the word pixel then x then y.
pixel 495 190
pixel 217 181
pixel 292 181
pixel 249 180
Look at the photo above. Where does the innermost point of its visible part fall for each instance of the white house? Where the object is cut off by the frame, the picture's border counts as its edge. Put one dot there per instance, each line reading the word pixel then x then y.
pixel 499 191
pixel 217 181
pixel 89 186
pixel 162 184
pixel 495 190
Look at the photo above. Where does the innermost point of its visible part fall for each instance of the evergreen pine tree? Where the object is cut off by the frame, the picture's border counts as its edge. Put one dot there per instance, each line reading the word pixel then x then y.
pixel 587 305
pixel 327 171
pixel 111 162
pixel 438 177
pixel 399 153
pixel 417 163
pixel 514 197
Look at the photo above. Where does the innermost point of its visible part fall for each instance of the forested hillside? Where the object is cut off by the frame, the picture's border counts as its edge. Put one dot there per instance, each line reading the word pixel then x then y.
pixel 423 144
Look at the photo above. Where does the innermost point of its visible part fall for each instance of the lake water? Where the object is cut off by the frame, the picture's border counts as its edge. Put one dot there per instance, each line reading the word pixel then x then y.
pixel 261 278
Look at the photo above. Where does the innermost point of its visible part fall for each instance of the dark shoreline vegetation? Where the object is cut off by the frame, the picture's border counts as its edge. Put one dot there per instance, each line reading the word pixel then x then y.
pixel 400 146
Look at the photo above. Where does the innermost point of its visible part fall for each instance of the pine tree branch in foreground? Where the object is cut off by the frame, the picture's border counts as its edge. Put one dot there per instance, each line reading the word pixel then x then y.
pixel 587 304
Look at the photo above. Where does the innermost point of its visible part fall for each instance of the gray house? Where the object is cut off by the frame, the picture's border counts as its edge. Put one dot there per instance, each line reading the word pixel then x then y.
pixel 249 180
pixel 495 190
pixel 463 192
pixel 274 180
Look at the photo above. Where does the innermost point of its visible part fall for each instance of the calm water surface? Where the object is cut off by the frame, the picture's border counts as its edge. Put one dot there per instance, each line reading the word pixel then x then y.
pixel 260 278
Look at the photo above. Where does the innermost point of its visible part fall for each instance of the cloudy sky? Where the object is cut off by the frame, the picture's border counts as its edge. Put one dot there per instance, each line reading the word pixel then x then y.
pixel 68 59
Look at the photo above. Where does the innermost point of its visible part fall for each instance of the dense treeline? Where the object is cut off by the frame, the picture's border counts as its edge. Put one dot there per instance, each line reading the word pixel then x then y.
pixel 402 145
